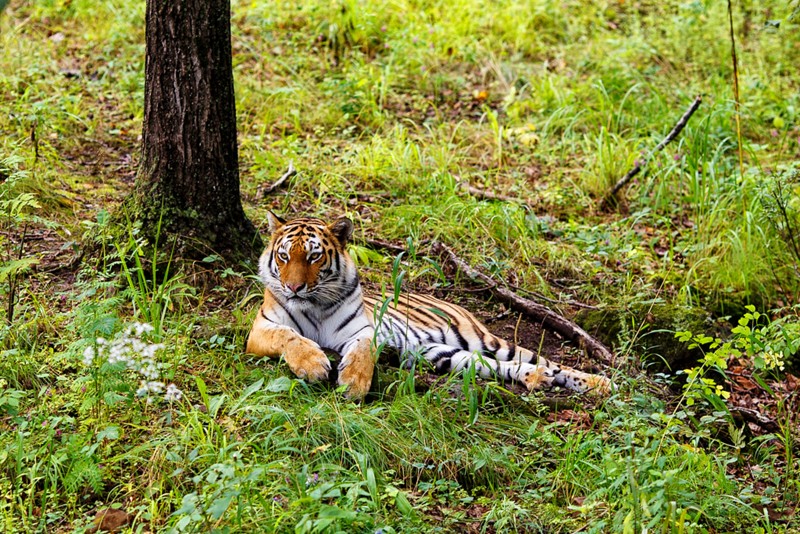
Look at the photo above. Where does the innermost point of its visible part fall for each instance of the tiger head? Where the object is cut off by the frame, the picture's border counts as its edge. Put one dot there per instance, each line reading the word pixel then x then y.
pixel 306 260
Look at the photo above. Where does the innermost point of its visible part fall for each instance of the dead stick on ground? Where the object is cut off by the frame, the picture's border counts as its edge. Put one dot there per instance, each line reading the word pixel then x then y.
pixel 488 195
pixel 548 317
pixel 642 164
pixel 753 416
pixel 397 249
pixel 265 189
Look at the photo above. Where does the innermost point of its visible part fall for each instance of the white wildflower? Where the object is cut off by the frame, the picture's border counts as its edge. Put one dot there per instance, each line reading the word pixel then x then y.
pixel 88 356
pixel 139 329
pixel 135 354
pixel 148 387
pixel 173 393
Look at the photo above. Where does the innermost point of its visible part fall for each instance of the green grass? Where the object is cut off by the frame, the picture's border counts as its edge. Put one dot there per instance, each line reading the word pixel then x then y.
pixel 386 109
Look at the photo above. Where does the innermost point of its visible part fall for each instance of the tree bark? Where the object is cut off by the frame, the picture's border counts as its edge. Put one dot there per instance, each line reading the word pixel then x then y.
pixel 188 179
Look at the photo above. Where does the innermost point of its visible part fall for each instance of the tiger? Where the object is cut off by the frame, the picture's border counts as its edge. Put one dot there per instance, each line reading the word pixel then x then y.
pixel 313 300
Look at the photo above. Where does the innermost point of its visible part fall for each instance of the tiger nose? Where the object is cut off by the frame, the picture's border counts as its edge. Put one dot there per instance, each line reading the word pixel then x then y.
pixel 294 288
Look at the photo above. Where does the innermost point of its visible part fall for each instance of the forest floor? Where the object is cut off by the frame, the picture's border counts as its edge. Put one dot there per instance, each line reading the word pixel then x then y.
pixel 389 112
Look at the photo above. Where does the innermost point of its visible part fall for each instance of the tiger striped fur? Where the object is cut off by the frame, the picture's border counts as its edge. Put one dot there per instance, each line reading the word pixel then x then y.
pixel 313 299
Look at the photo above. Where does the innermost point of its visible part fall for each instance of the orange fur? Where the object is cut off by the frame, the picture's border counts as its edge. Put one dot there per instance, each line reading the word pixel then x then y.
pixel 304 357
pixel 358 366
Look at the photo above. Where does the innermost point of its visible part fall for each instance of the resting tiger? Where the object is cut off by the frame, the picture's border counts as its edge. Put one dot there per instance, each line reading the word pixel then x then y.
pixel 313 299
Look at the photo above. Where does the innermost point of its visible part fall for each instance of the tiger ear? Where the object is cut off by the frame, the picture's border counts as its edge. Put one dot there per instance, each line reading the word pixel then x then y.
pixel 275 222
pixel 342 229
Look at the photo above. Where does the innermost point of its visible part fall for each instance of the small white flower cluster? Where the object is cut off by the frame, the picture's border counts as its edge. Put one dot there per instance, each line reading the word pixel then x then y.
pixel 173 393
pixel 137 355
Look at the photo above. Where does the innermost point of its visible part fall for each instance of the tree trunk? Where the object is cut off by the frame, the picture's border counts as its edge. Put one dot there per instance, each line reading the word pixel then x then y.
pixel 188 179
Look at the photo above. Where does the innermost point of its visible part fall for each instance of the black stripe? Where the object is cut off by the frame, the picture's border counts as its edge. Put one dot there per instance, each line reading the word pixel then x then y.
pixel 413 343
pixel 360 330
pixel 307 318
pixel 462 342
pixel 292 318
pixel 433 317
pixel 396 336
pixel 512 352
pixel 510 349
pixel 446 354
pixel 264 315
pixel 441 334
pixel 352 316
pixel 346 300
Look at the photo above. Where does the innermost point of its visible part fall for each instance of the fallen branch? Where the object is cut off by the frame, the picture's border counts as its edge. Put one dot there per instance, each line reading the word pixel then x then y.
pixel 545 315
pixel 488 195
pixel 379 244
pixel 265 189
pixel 748 415
pixel 637 168
pixel 390 247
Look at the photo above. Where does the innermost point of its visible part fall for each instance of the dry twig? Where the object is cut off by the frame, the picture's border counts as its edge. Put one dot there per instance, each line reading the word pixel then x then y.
pixel 488 195
pixel 748 415
pixel 679 126
pixel 397 249
pixel 385 245
pixel 265 189
pixel 545 315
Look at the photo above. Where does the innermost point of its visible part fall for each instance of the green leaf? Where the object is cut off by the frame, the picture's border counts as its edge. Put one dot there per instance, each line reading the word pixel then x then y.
pixel 201 387
pixel 219 506
pixel 703 339
pixel 215 403
pixel 104 325
pixel 188 505
pixel 14 267
pixel 742 329
pixel 110 433
pixel 401 501
pixel 334 512
pixel 252 388
pixel 278 385
pixel 112 397
pixel 761 382
pixel 372 485
pixel 684 336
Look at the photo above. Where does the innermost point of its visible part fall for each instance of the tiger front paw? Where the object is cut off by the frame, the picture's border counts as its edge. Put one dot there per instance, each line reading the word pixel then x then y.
pixel 356 371
pixel 358 380
pixel 307 361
